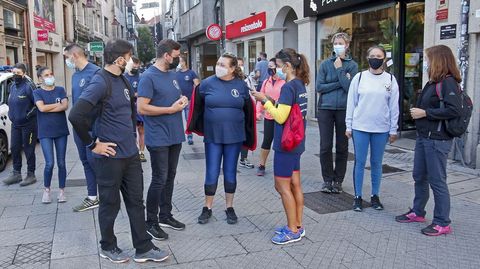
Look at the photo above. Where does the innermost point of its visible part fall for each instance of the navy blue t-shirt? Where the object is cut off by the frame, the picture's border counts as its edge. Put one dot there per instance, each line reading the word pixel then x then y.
pixel 163 90
pixel 224 119
pixel 81 79
pixel 21 102
pixel 51 124
pixel 185 81
pixel 134 80
pixel 114 124
pixel 292 92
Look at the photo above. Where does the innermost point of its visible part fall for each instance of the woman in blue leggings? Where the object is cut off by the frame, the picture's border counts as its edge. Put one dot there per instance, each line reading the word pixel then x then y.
pixel 224 97
pixel 371 120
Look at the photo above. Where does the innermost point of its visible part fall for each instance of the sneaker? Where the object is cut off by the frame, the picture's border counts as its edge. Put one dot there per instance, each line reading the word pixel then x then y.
pixel 157 233
pixel 261 171
pixel 280 230
pixel 246 164
pixel 61 197
pixel 205 216
pixel 231 216
pixel 436 230
pixel 358 204
pixel 375 201
pixel 115 255
pixel 190 142
pixel 286 237
pixel 46 198
pixel 337 187
pixel 87 204
pixel 327 187
pixel 153 255
pixel 410 216
pixel 142 157
pixel 172 224
pixel 14 178
pixel 28 180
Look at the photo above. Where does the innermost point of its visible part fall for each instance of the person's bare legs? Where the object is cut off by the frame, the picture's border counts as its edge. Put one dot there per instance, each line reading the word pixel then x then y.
pixel 298 195
pixel 263 156
pixel 283 187
pixel 229 199
pixel 209 201
pixel 141 138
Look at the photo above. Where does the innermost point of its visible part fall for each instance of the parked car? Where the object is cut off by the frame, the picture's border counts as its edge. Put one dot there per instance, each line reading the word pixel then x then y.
pixel 6 79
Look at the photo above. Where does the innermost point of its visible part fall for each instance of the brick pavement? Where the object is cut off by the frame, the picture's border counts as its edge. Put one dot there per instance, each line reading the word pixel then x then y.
pixel 33 235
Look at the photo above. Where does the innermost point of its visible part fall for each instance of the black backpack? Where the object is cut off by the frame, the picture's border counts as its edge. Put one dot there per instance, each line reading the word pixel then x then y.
pixel 456 127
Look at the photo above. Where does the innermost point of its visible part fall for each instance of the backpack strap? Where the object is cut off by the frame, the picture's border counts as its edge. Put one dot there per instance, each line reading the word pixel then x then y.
pixel 355 96
pixel 133 106
pixel 438 90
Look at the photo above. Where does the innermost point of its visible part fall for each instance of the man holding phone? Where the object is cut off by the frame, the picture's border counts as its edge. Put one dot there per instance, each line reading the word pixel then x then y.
pixel 161 102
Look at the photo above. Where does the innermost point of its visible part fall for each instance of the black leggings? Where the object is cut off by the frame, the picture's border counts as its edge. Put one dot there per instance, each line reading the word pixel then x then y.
pixel 268 127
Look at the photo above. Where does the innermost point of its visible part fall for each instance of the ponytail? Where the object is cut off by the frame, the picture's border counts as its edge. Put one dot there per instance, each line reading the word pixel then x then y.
pixel 298 62
pixel 303 70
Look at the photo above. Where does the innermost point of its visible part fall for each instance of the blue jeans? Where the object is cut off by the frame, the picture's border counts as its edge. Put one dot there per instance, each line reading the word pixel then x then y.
pixel 87 160
pixel 214 153
pixel 61 149
pixel 186 110
pixel 361 143
pixel 430 170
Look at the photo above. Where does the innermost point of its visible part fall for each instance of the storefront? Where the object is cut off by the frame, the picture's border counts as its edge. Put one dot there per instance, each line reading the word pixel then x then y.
pixel 396 25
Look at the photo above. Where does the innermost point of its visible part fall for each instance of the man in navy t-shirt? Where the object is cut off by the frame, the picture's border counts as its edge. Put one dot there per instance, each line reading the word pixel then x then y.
pixel 187 79
pixel 161 102
pixel 261 70
pixel 118 167
pixel 84 71
pixel 133 76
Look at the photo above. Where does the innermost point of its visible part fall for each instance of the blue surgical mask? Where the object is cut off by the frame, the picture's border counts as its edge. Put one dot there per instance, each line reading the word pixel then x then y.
pixel 49 81
pixel 280 74
pixel 339 49
pixel 70 64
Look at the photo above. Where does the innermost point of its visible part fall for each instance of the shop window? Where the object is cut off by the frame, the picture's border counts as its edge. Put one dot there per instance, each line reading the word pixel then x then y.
pixel 105 26
pixel 254 48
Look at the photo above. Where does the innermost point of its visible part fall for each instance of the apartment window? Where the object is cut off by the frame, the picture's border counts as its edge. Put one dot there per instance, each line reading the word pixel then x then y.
pixel 84 19
pixel 122 31
pixel 105 26
pixel 9 18
pixel 65 22
pixel 99 25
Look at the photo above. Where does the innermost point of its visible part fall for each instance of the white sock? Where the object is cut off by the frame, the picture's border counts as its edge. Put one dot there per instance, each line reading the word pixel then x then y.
pixel 92 198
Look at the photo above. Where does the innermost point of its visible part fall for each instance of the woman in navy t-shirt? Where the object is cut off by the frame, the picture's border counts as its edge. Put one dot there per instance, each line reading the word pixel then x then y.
pixel 225 95
pixel 52 102
pixel 293 68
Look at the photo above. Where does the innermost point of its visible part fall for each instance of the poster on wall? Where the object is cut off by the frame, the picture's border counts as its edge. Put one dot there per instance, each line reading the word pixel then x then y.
pixel 43 15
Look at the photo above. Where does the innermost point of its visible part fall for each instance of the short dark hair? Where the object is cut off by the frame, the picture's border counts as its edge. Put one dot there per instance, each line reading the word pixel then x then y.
pixel 74 47
pixel 167 46
pixel 21 66
pixel 135 59
pixel 40 70
pixel 116 48
pixel 263 54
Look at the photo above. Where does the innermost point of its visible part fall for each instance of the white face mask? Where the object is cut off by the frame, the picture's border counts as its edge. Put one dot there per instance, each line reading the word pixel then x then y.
pixel 242 68
pixel 129 65
pixel 220 71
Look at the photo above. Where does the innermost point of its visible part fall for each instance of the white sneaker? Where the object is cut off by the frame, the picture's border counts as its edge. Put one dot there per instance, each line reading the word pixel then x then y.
pixel 46 198
pixel 61 197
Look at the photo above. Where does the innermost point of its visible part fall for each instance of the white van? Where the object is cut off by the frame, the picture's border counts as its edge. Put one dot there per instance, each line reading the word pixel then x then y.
pixel 6 79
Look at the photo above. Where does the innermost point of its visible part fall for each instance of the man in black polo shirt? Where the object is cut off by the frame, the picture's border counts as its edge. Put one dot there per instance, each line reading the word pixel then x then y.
pixel 117 164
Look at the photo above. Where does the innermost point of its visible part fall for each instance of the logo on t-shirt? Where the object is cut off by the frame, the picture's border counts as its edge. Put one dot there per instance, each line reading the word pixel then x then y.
pixel 58 100
pixel 187 78
pixel 135 84
pixel 82 82
pixel 235 93
pixel 175 83
pixel 127 94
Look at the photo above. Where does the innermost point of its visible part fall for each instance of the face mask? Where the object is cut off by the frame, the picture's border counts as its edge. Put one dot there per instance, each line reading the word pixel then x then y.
pixel 175 63
pixel 220 71
pixel 339 49
pixel 375 63
pixel 280 74
pixel 49 81
pixel 134 71
pixel 129 65
pixel 259 59
pixel 242 68
pixel 272 71
pixel 425 66
pixel 70 64
pixel 18 79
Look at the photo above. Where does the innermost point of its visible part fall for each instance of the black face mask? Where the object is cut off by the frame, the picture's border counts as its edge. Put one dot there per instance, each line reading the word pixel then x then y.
pixel 18 79
pixel 134 71
pixel 272 71
pixel 375 63
pixel 175 63
pixel 259 59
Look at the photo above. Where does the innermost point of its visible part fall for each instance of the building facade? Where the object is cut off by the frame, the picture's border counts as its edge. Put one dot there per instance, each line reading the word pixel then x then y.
pixel 14 39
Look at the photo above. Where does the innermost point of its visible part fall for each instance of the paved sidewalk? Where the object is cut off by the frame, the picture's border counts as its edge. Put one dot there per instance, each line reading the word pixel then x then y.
pixel 34 235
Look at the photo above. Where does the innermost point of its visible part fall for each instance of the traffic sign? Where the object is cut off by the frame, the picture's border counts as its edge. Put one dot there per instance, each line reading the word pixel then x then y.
pixel 214 32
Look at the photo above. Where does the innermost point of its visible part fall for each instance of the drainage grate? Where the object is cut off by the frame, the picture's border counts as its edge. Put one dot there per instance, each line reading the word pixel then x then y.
pixel 194 156
pixel 351 156
pixel 394 151
pixel 33 253
pixel 76 182
pixel 387 169
pixel 324 203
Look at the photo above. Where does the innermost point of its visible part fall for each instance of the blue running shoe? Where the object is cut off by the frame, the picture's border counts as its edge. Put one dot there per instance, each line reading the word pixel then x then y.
pixel 286 237
pixel 280 230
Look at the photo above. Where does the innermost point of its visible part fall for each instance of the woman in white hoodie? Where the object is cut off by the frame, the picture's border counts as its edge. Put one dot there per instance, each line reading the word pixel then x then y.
pixel 372 116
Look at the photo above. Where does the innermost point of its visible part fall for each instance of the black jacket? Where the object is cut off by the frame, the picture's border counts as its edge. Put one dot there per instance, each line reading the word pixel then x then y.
pixel 429 101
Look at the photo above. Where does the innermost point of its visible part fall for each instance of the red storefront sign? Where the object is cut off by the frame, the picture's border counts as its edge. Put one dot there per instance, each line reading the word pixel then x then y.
pixel 42 35
pixel 250 25
pixel 40 22
pixel 214 32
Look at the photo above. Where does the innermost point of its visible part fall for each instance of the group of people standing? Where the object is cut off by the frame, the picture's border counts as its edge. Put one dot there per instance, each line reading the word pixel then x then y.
pixel 113 105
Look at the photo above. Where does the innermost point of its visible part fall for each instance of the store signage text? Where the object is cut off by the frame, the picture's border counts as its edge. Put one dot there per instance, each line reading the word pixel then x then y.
pixel 250 25
pixel 322 7
pixel 42 35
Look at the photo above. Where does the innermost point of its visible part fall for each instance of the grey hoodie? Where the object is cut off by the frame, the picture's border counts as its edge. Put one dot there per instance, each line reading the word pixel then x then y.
pixel 333 84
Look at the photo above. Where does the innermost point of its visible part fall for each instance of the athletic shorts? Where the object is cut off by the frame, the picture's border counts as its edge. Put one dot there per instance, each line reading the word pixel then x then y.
pixel 284 164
